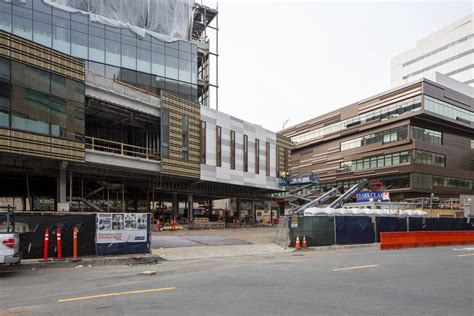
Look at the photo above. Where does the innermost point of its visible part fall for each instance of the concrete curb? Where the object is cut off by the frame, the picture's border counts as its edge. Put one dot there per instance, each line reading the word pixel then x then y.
pixel 30 264
pixel 338 247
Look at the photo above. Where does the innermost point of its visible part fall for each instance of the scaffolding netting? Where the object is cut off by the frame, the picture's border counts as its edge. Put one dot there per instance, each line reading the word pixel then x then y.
pixel 166 20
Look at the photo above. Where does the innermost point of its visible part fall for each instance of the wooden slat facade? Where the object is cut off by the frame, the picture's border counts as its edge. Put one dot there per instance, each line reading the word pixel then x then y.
pixel 39 145
pixel 174 164
pixel 19 49
pixel 28 52
pixel 284 154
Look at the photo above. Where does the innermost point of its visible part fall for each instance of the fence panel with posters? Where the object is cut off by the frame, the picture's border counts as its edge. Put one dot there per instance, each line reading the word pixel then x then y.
pixel 123 233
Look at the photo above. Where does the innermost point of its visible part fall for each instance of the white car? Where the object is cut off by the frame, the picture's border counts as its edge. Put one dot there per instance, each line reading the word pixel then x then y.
pixel 9 240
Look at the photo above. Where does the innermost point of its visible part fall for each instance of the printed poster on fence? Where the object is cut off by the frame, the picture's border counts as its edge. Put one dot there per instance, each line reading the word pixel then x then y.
pixel 121 228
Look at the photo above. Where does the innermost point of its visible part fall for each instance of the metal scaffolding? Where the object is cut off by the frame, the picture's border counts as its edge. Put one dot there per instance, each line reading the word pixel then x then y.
pixel 206 18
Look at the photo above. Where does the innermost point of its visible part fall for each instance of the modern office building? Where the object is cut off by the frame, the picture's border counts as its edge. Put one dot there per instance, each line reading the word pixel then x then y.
pixel 416 139
pixel 106 109
pixel 449 51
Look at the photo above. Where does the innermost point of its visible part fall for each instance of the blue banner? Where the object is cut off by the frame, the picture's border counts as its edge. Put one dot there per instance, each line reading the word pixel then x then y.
pixel 373 196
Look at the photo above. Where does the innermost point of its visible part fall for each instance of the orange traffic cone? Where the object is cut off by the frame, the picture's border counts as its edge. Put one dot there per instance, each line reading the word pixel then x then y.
pixel 305 245
pixel 297 244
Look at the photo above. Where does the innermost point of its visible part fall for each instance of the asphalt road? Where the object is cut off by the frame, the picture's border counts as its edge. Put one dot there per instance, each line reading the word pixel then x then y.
pixel 364 281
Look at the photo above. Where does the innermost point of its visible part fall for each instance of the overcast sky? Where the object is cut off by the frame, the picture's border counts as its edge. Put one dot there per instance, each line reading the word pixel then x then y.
pixel 294 60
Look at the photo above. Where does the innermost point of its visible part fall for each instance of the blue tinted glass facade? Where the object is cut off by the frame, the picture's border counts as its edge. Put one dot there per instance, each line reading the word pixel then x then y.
pixel 147 63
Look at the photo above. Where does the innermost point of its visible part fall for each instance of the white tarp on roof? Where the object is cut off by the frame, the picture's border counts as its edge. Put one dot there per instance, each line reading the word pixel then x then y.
pixel 313 211
pixel 167 20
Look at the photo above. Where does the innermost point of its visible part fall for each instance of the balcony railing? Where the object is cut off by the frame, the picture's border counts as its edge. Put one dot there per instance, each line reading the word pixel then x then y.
pixel 121 149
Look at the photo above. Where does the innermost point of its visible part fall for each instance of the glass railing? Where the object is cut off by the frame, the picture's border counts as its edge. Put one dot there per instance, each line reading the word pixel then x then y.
pixel 448 110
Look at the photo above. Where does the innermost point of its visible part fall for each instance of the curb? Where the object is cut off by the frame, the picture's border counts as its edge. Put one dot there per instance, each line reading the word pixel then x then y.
pixel 32 264
pixel 338 247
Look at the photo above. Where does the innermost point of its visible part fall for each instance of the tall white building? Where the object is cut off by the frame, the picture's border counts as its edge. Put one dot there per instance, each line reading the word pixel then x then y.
pixel 449 51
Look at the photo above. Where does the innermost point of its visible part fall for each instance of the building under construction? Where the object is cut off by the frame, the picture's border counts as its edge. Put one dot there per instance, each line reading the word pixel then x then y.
pixel 100 113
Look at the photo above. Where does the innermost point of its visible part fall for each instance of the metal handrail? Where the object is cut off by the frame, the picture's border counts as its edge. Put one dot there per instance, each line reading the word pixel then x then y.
pixel 122 149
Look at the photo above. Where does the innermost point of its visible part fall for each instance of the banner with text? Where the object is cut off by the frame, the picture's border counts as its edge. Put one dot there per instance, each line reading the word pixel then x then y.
pixel 373 196
pixel 121 228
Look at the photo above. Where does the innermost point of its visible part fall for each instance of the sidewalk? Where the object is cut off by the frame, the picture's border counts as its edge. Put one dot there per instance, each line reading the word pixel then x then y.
pixel 253 235
pixel 209 252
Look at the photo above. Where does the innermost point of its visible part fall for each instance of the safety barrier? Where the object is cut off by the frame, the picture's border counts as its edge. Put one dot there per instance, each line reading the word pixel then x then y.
pixel 399 240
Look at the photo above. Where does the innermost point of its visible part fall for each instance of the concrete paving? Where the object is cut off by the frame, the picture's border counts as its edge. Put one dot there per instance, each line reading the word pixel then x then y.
pixel 193 241
pixel 203 252
pixel 253 235
pixel 355 281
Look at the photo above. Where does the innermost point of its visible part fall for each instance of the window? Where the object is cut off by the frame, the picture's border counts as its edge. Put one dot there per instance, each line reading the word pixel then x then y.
pixel 472 143
pixel 246 153
pixel 143 60
pixel 129 56
pixel 22 27
pixel 113 51
pixel 387 112
pixel 42 33
pixel 165 132
pixel 277 161
pixel 257 155
pixel 4 92
pixel 267 159
pixel 62 39
pixel 383 137
pixel 376 162
pixel 185 138
pixel 425 181
pixel 447 110
pixel 427 135
pixel 218 146
pixel 79 44
pixel 232 150
pixel 42 102
pixel 428 158
pixel 203 142
pixel 96 49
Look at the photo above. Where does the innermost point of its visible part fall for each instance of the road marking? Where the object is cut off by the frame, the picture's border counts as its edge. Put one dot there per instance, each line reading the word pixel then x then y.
pixel 115 294
pixel 466 254
pixel 357 267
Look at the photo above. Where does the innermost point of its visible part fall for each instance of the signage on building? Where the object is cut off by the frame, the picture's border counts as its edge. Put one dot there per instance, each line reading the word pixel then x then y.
pixel 121 228
pixel 373 196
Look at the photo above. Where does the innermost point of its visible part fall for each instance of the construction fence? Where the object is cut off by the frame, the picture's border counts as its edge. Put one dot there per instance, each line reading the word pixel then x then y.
pixel 344 230
pixel 98 233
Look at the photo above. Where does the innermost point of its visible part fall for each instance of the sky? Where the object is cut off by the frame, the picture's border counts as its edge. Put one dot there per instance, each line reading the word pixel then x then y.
pixel 295 60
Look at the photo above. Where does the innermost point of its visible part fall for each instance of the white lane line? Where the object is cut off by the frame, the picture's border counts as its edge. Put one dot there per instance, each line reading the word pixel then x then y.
pixel 466 254
pixel 357 267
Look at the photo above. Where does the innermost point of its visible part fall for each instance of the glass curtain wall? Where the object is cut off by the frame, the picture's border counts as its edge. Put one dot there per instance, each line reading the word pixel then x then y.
pixel 37 101
pixel 145 62
pixel 382 114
